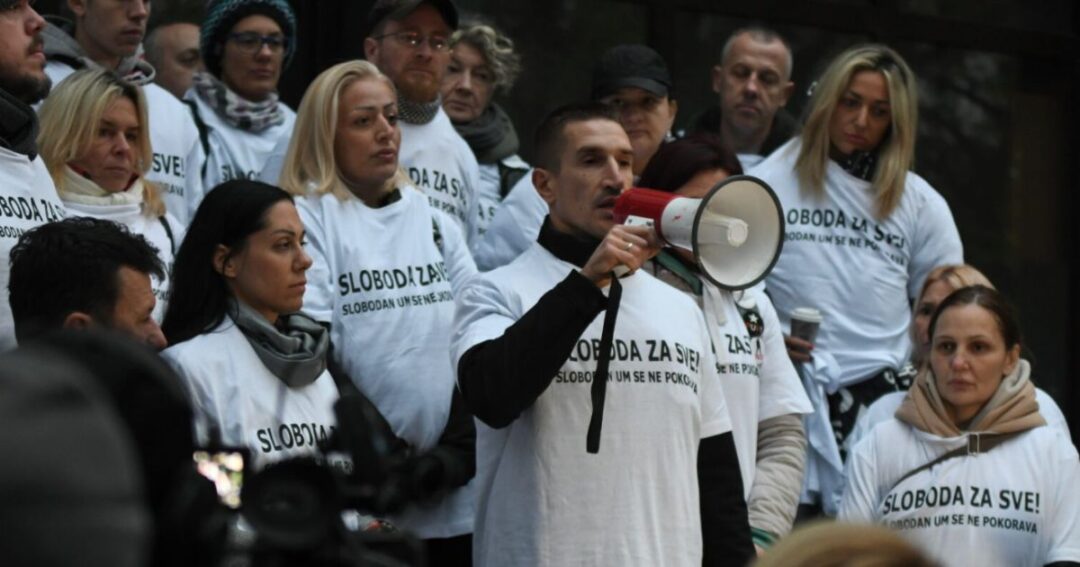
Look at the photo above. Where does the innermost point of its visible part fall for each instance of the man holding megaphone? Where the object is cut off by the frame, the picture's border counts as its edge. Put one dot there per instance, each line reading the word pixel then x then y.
pixel 657 480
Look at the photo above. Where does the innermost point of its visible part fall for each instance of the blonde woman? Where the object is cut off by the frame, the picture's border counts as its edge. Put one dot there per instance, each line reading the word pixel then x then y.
pixel 862 233
pixel 386 268
pixel 96 144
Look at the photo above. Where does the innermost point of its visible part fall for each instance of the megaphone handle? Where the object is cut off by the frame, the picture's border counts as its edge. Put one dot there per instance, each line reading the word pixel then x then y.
pixel 599 384
pixel 620 271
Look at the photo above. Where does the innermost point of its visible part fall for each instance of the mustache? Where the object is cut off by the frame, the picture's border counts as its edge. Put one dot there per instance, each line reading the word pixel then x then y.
pixel 37 44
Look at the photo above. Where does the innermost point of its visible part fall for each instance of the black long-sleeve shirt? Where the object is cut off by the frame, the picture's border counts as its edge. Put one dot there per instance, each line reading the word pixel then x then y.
pixel 501 378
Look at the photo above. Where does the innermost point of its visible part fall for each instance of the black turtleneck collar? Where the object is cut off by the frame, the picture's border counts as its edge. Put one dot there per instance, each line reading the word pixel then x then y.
pixel 566 247
pixel 18 125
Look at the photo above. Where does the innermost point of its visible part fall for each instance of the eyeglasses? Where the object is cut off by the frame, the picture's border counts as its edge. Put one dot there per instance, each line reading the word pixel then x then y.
pixel 251 42
pixel 414 39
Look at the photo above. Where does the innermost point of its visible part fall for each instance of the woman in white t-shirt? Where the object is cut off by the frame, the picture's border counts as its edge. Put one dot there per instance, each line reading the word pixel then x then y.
pixel 861 233
pixel 255 365
pixel 942 281
pixel 765 397
pixel 245 44
pixel 967 469
pixel 386 269
pixel 95 142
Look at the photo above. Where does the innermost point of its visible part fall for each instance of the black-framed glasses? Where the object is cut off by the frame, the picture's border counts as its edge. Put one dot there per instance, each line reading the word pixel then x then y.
pixel 252 42
pixel 414 39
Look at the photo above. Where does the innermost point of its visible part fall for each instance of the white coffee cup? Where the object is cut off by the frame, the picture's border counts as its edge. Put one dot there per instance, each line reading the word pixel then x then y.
pixel 805 322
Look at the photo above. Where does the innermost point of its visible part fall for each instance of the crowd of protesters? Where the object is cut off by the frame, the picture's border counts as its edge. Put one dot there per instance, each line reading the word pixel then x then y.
pixel 193 265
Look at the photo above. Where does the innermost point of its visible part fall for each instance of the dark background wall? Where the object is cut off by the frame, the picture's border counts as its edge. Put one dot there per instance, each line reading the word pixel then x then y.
pixel 997 136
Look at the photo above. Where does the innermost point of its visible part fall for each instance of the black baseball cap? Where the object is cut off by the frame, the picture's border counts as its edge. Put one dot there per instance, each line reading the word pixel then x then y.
pixel 632 65
pixel 384 10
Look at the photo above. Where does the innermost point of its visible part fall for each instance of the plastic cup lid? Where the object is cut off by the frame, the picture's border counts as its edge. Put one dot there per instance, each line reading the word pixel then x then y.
pixel 808 314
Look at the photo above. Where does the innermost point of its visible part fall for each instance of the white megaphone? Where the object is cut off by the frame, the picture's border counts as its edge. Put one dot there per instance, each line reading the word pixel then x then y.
pixel 735 232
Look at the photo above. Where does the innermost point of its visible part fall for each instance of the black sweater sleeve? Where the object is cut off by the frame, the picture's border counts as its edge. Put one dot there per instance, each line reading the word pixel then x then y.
pixel 452 462
pixel 502 377
pixel 725 524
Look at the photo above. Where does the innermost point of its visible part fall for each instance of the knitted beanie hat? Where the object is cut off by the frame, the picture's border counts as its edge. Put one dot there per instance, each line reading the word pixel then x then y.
pixel 222 15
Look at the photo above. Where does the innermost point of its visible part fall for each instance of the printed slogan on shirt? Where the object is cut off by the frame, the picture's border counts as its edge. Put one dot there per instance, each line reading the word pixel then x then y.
pixel 981 507
pixel 649 350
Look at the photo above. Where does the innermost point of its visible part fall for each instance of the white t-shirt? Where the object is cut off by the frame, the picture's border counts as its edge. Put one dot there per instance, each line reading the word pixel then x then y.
pixel 27 199
pixel 441 166
pixel 381 281
pixel 885 408
pixel 1015 505
pixel 758 379
pixel 544 501
pixel 489 192
pixel 514 228
pixel 858 271
pixel 235 153
pixel 174 140
pixel 238 402
pixel 149 227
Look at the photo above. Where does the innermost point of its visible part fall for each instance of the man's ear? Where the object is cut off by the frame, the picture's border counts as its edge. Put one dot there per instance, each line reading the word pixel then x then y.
pixel 717 78
pixel 544 182
pixel 78 320
pixel 789 89
pixel 77 7
pixel 371 48
pixel 223 263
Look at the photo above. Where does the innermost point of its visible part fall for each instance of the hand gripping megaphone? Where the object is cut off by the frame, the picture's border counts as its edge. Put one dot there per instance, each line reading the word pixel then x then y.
pixel 735 232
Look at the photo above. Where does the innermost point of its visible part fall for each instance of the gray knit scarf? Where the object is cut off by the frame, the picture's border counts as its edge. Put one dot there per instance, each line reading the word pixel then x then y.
pixel 294 349
pixel 418 112
pixel 491 136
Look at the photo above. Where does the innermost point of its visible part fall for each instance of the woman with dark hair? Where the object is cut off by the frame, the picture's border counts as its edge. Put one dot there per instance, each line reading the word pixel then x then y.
pixel 255 366
pixel 764 395
pixel 940 283
pixel 861 233
pixel 967 469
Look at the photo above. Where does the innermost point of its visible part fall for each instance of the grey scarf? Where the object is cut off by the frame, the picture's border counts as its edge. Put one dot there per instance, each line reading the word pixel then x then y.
pixel 294 349
pixel 491 136
pixel 418 112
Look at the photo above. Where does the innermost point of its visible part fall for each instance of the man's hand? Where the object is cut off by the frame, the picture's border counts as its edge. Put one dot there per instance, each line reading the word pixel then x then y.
pixel 629 246
pixel 798 349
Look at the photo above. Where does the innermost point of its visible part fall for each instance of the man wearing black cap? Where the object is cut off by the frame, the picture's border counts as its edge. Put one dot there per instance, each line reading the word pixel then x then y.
pixel 409 41
pixel 109 34
pixel 26 189
pixel 634 79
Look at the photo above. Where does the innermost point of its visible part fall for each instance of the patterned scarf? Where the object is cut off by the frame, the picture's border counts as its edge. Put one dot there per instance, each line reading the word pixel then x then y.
pixel 418 112
pixel 237 111
pixel 860 164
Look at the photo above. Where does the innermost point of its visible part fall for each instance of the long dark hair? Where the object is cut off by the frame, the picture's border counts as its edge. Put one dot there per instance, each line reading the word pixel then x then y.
pixel 676 163
pixel 228 215
pixel 989 299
